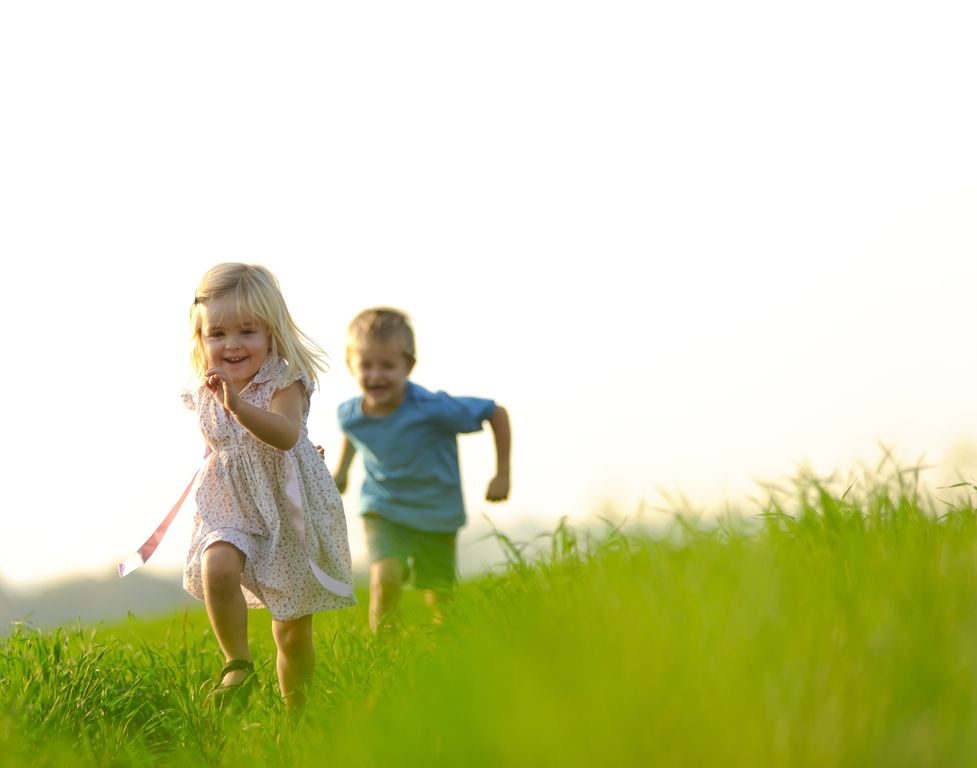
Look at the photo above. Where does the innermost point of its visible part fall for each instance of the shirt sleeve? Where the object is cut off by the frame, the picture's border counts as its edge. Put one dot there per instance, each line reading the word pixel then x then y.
pixel 463 414
pixel 190 398
pixel 308 385
pixel 343 414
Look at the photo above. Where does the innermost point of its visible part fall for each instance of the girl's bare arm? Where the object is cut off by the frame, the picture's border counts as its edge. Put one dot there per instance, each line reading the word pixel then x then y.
pixel 279 427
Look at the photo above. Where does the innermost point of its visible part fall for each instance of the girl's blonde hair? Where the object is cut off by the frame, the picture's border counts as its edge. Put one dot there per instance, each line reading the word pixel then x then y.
pixel 385 325
pixel 256 295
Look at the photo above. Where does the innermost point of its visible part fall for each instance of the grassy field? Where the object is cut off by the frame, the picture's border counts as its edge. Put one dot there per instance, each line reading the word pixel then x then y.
pixel 832 625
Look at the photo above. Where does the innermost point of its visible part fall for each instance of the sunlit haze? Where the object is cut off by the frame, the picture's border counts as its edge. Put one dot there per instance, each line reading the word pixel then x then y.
pixel 688 246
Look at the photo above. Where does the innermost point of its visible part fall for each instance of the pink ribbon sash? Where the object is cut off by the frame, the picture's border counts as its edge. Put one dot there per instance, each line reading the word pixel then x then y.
pixel 296 517
pixel 141 555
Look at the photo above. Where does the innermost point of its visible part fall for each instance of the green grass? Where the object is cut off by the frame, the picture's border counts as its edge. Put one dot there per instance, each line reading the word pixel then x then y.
pixel 833 625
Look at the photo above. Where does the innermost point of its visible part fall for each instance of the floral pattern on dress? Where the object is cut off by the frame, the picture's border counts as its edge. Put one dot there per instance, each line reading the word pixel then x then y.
pixel 280 508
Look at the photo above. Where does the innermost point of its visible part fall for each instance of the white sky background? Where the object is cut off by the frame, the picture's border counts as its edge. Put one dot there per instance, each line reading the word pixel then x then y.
pixel 689 246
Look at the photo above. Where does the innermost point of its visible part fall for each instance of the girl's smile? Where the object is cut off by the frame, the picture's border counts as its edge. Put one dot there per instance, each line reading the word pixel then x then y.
pixel 237 344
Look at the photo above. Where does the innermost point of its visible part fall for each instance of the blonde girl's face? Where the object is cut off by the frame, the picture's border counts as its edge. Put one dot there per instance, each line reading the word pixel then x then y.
pixel 237 344
pixel 381 370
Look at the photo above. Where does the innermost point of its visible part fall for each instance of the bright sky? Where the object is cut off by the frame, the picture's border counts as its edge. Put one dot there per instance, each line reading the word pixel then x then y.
pixel 689 246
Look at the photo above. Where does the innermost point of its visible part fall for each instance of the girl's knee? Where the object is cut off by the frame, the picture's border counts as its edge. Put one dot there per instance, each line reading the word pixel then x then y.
pixel 222 565
pixel 293 637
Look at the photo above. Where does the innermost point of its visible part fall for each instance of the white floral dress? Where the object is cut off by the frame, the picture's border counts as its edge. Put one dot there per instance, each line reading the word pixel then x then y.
pixel 280 508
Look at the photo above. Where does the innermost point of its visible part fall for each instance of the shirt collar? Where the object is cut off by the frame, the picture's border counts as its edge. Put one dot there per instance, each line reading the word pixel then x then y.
pixel 272 368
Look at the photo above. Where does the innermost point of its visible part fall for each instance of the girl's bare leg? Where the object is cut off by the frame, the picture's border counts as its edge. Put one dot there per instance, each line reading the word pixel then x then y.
pixel 296 659
pixel 222 565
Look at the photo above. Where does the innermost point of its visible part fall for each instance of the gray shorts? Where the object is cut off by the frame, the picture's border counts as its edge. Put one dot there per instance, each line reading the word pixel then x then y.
pixel 431 556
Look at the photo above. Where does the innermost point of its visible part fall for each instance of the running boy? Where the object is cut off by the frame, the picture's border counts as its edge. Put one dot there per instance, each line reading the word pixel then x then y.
pixel 411 500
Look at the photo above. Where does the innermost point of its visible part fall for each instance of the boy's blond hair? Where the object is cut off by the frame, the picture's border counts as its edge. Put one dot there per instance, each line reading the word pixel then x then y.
pixel 256 295
pixel 385 325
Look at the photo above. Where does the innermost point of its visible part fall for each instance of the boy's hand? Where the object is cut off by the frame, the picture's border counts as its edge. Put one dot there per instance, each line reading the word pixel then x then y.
pixel 321 451
pixel 498 488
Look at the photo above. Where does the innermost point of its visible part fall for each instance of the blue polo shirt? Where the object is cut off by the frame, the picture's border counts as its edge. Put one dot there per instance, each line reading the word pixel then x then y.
pixel 411 456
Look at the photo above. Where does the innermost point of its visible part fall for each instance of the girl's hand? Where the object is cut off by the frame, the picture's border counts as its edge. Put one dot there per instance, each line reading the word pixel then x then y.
pixel 218 382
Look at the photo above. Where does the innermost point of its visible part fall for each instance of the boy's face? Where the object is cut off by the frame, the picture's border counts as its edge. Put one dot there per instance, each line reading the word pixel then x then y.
pixel 381 370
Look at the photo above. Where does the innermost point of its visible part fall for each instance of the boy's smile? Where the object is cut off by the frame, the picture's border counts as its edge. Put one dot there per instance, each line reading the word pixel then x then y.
pixel 381 370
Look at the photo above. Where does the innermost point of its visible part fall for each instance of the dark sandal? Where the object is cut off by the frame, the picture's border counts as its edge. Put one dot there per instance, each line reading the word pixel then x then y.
pixel 222 695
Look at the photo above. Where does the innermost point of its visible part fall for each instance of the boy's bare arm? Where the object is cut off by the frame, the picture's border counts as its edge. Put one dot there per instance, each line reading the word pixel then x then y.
pixel 346 453
pixel 498 489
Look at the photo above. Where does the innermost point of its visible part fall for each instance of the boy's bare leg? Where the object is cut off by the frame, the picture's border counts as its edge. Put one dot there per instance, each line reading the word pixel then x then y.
pixel 386 582
pixel 436 600
pixel 296 659
pixel 221 567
